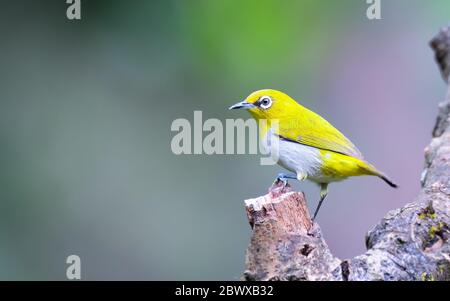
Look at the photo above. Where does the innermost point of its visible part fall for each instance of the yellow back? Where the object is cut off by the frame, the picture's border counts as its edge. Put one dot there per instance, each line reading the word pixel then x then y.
pixel 298 124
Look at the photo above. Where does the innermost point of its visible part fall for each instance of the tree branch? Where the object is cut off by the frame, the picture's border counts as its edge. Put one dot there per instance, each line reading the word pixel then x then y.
pixel 410 243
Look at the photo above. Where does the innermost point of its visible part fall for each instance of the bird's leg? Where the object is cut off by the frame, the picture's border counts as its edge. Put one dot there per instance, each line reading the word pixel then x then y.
pixel 323 195
pixel 283 177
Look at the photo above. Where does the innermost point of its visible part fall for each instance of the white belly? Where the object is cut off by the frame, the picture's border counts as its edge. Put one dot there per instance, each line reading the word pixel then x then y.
pixel 298 158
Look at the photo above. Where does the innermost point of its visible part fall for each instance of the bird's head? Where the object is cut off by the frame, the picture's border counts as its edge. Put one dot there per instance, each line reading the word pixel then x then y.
pixel 267 104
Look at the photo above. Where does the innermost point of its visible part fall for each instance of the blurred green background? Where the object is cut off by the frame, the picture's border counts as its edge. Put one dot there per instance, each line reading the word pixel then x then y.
pixel 86 108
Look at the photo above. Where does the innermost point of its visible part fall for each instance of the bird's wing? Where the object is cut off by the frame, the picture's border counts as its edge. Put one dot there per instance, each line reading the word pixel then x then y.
pixel 313 130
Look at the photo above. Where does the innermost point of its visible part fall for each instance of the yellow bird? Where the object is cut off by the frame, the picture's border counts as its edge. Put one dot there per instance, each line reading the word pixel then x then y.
pixel 307 144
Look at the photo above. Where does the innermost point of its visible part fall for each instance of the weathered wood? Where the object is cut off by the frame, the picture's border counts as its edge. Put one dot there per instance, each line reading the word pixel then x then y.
pixel 410 243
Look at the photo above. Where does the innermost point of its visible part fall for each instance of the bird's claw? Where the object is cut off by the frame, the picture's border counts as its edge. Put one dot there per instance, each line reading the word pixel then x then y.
pixel 281 185
pixel 280 179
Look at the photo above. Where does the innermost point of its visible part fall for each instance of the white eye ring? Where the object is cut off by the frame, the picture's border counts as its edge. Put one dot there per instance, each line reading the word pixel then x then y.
pixel 265 102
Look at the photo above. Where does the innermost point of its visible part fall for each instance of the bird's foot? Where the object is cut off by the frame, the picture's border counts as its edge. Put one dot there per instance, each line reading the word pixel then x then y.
pixel 283 178
pixel 281 185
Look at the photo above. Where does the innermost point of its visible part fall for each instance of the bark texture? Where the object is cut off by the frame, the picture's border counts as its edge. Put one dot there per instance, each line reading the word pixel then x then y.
pixel 410 243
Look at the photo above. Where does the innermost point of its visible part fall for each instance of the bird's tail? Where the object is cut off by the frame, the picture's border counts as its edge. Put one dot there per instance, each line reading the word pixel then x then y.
pixel 387 180
pixel 373 171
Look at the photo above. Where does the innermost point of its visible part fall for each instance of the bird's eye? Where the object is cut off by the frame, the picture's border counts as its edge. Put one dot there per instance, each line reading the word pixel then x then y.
pixel 265 102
